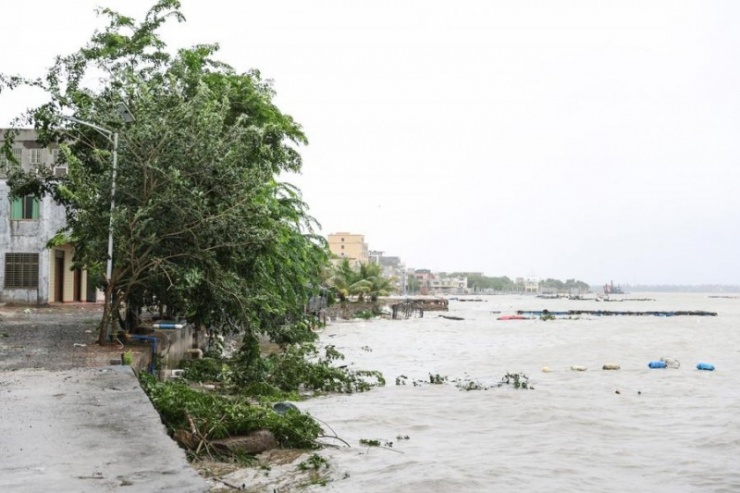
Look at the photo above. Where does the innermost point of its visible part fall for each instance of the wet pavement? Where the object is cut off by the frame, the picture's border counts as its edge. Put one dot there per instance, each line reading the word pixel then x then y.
pixel 65 426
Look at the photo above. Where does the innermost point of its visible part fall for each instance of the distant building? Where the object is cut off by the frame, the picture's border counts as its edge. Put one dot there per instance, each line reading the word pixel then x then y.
pixel 392 269
pixel 31 272
pixel 531 285
pixel 439 284
pixel 349 246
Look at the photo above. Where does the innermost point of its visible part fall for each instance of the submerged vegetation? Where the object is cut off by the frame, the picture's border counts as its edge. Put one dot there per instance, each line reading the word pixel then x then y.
pixel 200 418
pixel 243 397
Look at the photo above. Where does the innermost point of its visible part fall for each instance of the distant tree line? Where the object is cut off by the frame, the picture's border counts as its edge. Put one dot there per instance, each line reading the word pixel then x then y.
pixel 480 282
pixel 564 286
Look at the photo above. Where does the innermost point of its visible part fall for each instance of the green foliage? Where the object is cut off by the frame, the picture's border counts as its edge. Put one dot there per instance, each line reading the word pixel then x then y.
pixel 217 416
pixel 517 380
pixel 301 367
pixel 201 224
pixel 366 280
pixel 314 462
pixel 471 385
pixel 370 442
pixel 564 286
pixel 282 374
pixel 203 370
pixel 128 358
pixel 437 379
pixel 413 285
pixel 479 282
pixel 365 314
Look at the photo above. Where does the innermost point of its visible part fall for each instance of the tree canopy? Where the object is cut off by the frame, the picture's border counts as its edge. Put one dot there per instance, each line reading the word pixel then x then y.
pixel 365 280
pixel 201 224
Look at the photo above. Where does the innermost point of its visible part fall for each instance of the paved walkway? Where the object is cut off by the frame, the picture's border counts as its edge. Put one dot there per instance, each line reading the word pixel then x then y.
pixel 79 429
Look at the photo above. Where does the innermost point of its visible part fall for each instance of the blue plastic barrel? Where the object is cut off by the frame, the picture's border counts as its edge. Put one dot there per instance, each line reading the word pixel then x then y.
pixel 705 366
pixel 657 364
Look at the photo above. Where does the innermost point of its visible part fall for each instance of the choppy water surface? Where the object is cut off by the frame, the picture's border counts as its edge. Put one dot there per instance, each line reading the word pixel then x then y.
pixel 666 430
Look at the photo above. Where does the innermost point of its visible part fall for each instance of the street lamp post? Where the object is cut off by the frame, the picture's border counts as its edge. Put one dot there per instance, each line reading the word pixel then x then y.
pixel 112 137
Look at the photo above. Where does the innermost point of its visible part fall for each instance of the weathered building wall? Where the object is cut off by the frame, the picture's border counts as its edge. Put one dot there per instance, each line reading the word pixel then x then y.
pixel 32 235
pixel 28 236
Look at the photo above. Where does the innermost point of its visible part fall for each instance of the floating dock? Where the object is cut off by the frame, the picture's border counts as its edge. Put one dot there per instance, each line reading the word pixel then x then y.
pixel 608 313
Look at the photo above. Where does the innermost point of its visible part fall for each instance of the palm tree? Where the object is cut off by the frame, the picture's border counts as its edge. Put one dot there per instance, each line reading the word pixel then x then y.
pixel 377 285
pixel 368 280
pixel 343 277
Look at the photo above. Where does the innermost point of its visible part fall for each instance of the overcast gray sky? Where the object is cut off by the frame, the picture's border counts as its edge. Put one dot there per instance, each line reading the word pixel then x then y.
pixel 595 140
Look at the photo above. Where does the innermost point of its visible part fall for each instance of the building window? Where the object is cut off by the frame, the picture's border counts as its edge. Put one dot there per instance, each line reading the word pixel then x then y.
pixel 17 155
pixel 342 247
pixel 35 156
pixel 24 208
pixel 54 155
pixel 22 270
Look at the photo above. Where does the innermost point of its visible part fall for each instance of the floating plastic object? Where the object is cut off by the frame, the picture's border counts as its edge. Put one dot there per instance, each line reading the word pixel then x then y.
pixel 657 364
pixel 546 369
pixel 578 368
pixel 671 362
pixel 705 366
pixel 610 366
pixel 168 325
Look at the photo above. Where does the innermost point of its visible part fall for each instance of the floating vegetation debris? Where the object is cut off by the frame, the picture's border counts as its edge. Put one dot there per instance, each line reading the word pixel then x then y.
pixel 516 380
pixel 437 379
pixel 315 462
pixel 313 465
pixel 370 442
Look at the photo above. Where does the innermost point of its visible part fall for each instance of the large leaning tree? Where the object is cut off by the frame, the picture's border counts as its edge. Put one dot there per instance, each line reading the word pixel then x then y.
pixel 202 227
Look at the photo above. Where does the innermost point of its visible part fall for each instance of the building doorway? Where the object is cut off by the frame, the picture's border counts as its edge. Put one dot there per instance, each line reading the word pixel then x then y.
pixel 77 290
pixel 58 276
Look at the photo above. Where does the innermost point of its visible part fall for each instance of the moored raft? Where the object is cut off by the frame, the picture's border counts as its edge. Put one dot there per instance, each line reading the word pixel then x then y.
pixel 607 313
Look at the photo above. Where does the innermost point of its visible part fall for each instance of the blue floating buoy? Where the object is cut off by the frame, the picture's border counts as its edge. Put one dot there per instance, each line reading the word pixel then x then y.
pixel 657 364
pixel 705 366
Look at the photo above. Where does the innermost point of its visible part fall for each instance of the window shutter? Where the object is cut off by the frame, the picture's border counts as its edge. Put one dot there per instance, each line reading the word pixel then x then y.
pixel 34 208
pixel 16 209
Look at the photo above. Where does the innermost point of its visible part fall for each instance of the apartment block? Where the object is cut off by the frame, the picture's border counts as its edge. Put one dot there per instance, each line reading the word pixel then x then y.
pixel 349 246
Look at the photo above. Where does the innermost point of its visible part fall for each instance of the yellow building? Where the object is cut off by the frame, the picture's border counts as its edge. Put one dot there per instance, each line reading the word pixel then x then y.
pixel 349 246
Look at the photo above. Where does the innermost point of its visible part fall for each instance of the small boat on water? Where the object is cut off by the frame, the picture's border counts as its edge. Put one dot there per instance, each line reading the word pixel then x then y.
pixel 512 317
